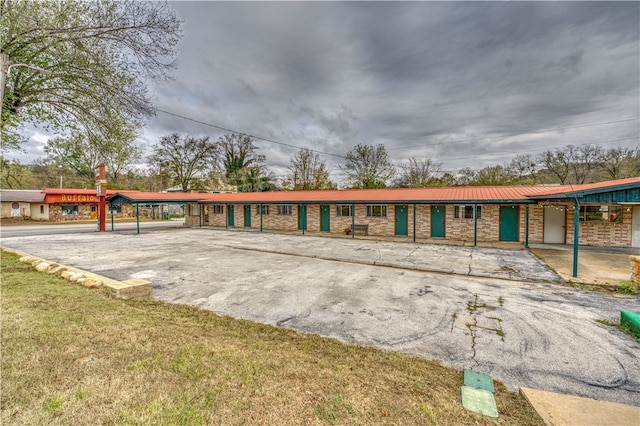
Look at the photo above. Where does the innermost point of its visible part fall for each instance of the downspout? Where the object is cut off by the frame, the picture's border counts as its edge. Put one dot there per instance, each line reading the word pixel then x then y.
pixel 261 207
pixel 226 217
pixel 137 219
pixel 201 213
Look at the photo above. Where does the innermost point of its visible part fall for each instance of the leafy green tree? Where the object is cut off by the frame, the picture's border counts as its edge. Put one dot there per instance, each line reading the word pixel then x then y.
pixel 367 166
pixel 100 54
pixel 82 152
pixel 187 159
pixel 418 173
pixel 308 172
pixel 14 175
pixel 243 166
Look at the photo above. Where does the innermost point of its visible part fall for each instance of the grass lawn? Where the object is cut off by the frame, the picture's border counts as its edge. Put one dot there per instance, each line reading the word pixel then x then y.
pixel 72 355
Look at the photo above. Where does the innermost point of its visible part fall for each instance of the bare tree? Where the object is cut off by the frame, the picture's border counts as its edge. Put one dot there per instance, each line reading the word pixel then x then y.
pixel 557 163
pixel 585 162
pixel 523 168
pixel 188 159
pixel 620 163
pixel 308 172
pixel 418 173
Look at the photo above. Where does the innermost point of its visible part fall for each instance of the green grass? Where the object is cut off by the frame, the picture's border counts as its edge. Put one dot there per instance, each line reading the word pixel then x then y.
pixel 72 355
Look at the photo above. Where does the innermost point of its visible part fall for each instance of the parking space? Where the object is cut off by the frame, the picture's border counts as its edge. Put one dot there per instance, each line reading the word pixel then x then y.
pixel 496 311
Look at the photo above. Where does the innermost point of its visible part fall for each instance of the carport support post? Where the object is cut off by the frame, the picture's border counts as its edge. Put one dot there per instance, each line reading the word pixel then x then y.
pixel 200 216
pixel 226 217
pixel 260 217
pixel 475 225
pixel 353 221
pixel 137 219
pixel 576 236
pixel 526 226
pixel 111 208
pixel 414 223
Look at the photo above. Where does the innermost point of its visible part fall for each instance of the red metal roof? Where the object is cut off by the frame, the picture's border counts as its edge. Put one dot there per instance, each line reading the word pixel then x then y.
pixel 456 194
pixel 452 194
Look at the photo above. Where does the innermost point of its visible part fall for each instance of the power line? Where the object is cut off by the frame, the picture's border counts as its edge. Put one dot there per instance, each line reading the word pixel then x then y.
pixel 519 134
pixel 543 149
pixel 248 134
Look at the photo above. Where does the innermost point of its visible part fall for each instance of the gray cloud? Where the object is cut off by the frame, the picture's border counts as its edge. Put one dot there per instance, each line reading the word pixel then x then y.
pixel 423 78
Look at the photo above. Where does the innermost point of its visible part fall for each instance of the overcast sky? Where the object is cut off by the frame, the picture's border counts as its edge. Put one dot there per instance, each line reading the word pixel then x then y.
pixel 468 84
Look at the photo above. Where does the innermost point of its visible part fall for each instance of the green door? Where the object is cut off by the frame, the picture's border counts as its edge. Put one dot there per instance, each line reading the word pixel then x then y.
pixel 437 221
pixel 509 216
pixel 302 218
pixel 230 220
pixel 401 220
pixel 247 216
pixel 325 224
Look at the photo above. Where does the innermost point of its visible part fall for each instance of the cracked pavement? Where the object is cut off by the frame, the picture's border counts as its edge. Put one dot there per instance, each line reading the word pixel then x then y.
pixel 527 331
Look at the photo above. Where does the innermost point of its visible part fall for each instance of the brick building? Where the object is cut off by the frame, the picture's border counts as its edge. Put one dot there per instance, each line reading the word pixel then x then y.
pixel 608 213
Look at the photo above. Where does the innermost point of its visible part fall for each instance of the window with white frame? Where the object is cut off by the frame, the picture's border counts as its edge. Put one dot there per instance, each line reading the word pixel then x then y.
pixel 218 209
pixel 263 209
pixel 194 209
pixel 601 213
pixel 376 211
pixel 284 209
pixel 343 210
pixel 466 212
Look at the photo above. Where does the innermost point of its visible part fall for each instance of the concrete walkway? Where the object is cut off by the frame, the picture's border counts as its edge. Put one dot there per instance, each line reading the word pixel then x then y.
pixel 519 265
pixel 603 266
pixel 568 410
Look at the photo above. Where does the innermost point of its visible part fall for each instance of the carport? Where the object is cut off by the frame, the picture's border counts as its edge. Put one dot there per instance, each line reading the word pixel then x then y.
pixel 625 193
pixel 149 198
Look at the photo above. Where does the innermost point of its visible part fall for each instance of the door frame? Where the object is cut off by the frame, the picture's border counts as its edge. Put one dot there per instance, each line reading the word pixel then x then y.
pixel 302 217
pixel 405 217
pixel 546 209
pixel 247 215
pixel 230 215
pixel 635 226
pixel 444 220
pixel 517 224
pixel 324 216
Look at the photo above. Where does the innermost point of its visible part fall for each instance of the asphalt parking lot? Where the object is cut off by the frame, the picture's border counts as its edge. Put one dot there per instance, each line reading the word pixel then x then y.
pixel 497 311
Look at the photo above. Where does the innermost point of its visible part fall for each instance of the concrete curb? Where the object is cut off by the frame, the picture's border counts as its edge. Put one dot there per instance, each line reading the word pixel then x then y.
pixel 132 289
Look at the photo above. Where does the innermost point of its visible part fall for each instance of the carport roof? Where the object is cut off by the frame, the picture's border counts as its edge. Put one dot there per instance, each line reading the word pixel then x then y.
pixel 135 197
pixel 580 191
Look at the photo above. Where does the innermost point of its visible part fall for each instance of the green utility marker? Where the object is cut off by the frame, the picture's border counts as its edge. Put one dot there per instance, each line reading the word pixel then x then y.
pixel 478 380
pixel 479 401
pixel 631 321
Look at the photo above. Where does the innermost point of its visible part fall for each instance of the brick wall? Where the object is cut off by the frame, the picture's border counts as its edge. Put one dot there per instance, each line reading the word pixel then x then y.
pixel 591 233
